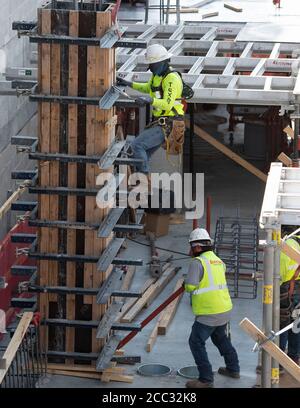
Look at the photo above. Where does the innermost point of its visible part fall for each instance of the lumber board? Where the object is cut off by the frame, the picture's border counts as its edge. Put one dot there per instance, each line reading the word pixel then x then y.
pixel 72 177
pixel 15 342
pixel 257 335
pixel 82 368
pixel 168 314
pixel 161 283
pixel 152 338
pixel 233 8
pixel 184 10
pixel 105 377
pixel 150 294
pixel 44 126
pixel 286 160
pixel 14 197
pixel 127 280
pixel 229 153
pixel 212 14
pixel 128 305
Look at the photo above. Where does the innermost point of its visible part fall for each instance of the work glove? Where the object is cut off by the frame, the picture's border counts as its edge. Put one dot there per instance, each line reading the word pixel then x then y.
pixel 123 82
pixel 144 100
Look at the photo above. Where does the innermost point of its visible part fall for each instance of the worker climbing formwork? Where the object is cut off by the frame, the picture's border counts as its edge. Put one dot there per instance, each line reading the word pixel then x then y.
pixel 165 93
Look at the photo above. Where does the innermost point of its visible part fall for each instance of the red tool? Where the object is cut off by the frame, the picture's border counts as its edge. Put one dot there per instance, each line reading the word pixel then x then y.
pixel 151 317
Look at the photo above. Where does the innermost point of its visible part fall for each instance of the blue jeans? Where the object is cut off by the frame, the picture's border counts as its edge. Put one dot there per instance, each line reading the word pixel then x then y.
pixel 145 144
pixel 290 339
pixel 200 333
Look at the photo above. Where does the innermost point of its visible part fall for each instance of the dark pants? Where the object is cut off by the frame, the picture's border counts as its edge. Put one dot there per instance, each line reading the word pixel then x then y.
pixel 288 338
pixel 200 333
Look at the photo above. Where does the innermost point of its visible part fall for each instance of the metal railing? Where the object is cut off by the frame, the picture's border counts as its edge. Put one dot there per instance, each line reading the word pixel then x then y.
pixel 23 364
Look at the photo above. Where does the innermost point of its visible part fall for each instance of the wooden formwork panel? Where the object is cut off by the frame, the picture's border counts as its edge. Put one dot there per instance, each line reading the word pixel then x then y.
pixel 73 70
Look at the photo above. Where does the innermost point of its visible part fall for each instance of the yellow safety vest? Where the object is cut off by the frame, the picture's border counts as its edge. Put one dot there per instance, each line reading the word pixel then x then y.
pixel 287 265
pixel 211 296
pixel 166 93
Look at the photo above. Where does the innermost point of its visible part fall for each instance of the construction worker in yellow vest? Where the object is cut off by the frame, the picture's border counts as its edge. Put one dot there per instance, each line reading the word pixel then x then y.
pixel 211 305
pixel 164 93
pixel 289 295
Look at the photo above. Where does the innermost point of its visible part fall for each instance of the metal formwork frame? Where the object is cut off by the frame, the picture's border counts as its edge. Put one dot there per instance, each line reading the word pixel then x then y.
pixel 220 68
pixel 280 206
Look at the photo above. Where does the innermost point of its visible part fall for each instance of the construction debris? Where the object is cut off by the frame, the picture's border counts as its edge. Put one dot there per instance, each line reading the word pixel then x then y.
pixel 165 318
pixel 150 294
pixel 207 15
pixel 233 8
pixel 184 10
pixel 169 313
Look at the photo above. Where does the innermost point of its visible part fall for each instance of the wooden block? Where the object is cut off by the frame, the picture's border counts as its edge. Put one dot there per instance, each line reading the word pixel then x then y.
pixel 233 8
pixel 212 14
pixel 152 338
pixel 150 294
pixel 285 159
pixel 168 314
pixel 289 131
pixel 229 153
pixel 257 335
pixel 119 352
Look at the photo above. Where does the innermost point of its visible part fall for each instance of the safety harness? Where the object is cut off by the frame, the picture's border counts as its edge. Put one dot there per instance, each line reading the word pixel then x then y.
pixel 172 126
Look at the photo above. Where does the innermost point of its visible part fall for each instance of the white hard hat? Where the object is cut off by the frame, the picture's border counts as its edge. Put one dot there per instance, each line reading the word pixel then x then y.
pixel 156 53
pixel 199 234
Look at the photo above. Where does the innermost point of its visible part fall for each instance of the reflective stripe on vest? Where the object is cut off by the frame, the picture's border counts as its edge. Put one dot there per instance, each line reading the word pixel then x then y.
pixel 287 265
pixel 212 286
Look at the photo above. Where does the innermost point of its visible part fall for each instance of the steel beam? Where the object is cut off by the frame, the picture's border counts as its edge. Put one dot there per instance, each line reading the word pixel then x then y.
pixel 107 353
pixel 23 238
pixel 109 254
pixel 24 303
pixel 23 205
pixel 112 283
pixel 109 157
pixel 22 270
pixel 110 222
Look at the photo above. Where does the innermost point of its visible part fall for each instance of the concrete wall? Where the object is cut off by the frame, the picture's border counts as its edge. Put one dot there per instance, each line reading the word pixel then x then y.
pixel 15 113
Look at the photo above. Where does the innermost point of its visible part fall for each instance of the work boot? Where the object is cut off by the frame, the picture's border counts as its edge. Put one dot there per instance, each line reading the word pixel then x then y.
pixel 228 373
pixel 199 384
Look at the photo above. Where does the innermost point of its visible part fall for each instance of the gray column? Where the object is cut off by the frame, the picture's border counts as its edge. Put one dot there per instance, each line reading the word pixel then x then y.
pixel 267 307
